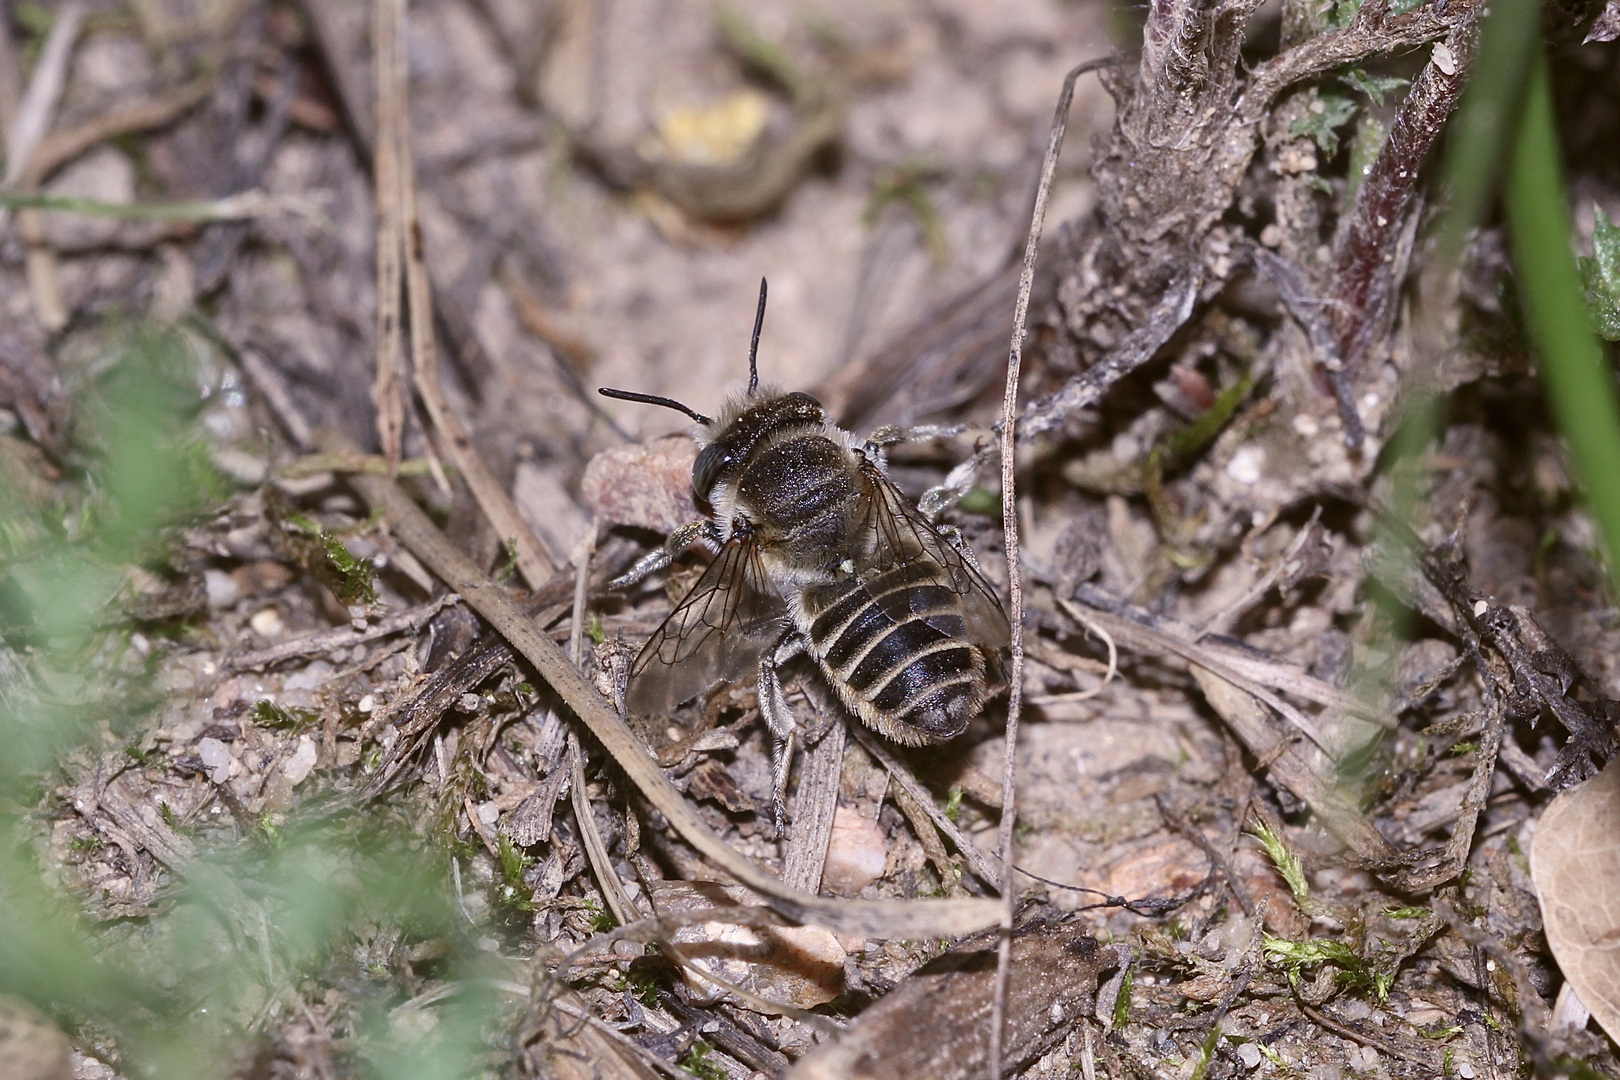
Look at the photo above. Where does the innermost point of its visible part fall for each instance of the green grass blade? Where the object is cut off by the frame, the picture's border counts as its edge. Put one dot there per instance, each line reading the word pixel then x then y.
pixel 1578 378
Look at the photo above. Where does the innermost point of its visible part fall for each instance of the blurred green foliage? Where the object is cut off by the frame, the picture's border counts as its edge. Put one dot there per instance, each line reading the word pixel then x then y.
pixel 259 921
pixel 1601 276
pixel 1577 377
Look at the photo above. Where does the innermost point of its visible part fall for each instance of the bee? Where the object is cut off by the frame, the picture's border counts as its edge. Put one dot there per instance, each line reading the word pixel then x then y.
pixel 816 551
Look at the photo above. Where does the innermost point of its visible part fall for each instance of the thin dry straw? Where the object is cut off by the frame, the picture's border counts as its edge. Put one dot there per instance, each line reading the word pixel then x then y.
pixel 1009 524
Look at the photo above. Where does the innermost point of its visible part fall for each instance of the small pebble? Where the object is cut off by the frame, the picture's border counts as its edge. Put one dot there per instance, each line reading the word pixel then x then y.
pixel 366 704
pixel 267 623
pixel 1465 1069
pixel 302 762
pixel 312 677
pixel 856 854
pixel 1249 1054
pixel 1245 465
pixel 469 703
pixel 222 589
pixel 216 758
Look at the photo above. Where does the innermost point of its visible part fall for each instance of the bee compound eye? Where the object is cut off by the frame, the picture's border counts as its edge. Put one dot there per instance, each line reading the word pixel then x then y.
pixel 711 461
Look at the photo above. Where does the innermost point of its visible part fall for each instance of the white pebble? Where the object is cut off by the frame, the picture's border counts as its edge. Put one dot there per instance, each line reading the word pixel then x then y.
pixel 856 854
pixel 366 704
pixel 223 592
pixel 312 677
pixel 302 762
pixel 267 623
pixel 1245 465
pixel 1249 1054
pixel 1465 1069
pixel 216 758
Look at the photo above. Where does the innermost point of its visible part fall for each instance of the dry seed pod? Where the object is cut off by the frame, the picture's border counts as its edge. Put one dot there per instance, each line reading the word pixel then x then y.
pixel 1575 862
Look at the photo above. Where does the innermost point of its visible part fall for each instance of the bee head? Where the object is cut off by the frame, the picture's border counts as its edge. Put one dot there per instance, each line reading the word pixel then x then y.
pixel 728 440
pixel 744 423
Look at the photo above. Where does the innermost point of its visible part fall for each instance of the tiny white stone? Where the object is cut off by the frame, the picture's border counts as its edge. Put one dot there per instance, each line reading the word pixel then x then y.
pixel 366 704
pixel 1249 1054
pixel 1245 465
pixel 222 590
pixel 302 762
pixel 1306 426
pixel 140 644
pixel 856 854
pixel 1465 1069
pixel 1480 608
pixel 216 758
pixel 266 623
pixel 488 813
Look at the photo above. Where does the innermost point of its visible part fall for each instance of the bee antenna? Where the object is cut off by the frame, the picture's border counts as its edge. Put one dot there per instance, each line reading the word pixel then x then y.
pixel 753 346
pixel 653 399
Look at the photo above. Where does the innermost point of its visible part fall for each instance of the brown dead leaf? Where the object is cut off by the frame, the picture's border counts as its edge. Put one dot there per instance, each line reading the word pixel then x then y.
pixel 1575 863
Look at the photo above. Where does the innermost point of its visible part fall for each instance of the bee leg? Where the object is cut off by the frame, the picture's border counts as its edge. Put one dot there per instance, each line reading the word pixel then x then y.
pixel 779 718
pixel 694 534
pixel 892 435
pixel 878 442
pixel 958 482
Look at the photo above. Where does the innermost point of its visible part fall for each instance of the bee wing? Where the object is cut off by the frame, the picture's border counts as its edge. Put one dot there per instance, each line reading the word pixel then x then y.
pixel 902 533
pixel 717 631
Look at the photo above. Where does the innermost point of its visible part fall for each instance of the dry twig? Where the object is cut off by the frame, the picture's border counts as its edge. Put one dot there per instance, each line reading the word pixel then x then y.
pixel 875 918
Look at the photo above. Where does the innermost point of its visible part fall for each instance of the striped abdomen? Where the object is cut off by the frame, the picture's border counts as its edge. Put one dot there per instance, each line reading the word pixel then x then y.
pixel 894 644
